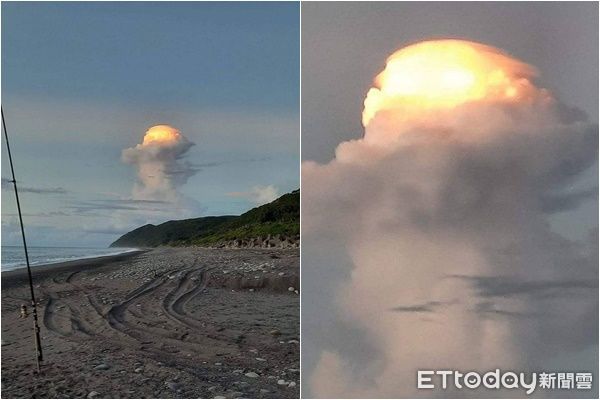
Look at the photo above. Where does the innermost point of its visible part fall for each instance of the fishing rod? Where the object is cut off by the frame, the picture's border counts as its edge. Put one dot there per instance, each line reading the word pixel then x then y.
pixel 36 328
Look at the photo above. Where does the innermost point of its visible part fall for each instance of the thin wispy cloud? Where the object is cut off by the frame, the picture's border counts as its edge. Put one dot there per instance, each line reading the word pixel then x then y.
pixel 7 184
pixel 499 286
pixel 430 306
pixel 49 214
pixel 120 204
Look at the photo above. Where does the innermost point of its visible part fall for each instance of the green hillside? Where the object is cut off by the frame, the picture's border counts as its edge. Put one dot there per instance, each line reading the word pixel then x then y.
pixel 280 217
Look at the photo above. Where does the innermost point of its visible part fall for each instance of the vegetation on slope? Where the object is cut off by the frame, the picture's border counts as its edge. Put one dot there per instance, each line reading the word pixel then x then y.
pixel 280 217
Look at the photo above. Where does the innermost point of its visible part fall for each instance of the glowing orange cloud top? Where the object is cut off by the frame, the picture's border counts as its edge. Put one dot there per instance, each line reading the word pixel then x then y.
pixel 161 134
pixel 446 73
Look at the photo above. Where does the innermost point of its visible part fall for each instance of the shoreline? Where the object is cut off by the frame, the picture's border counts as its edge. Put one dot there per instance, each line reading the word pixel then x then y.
pixel 42 271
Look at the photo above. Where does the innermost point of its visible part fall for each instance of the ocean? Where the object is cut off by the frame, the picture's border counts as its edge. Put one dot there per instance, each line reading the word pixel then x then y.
pixel 13 257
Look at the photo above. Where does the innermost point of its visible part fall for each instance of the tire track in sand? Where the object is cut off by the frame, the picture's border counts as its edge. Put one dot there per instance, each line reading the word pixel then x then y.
pixel 65 315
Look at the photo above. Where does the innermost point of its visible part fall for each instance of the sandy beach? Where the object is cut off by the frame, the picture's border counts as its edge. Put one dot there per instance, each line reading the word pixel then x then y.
pixel 164 323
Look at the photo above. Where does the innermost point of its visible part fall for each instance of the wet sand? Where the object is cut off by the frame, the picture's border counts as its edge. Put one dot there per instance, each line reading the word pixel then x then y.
pixel 170 322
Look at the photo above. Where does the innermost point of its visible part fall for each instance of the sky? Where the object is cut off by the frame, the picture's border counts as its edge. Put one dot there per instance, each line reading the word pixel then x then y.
pixel 81 82
pixel 559 38
pixel 344 46
pixel 413 255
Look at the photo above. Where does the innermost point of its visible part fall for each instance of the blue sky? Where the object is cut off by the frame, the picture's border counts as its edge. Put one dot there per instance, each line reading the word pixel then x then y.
pixel 83 81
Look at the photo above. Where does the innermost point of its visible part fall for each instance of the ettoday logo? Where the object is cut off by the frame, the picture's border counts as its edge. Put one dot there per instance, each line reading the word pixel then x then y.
pixel 473 380
pixel 506 380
